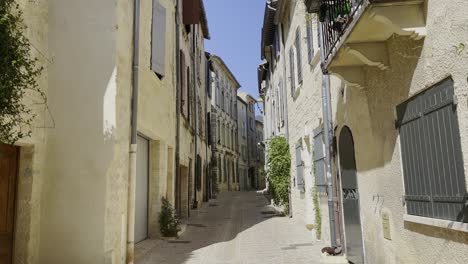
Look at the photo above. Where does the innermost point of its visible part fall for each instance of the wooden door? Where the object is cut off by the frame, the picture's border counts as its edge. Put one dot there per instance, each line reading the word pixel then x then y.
pixel 8 175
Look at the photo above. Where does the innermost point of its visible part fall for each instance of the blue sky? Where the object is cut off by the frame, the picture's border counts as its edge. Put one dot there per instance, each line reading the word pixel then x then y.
pixel 235 29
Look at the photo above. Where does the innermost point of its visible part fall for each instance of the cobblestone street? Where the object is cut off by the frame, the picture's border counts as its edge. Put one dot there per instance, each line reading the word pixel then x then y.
pixel 236 228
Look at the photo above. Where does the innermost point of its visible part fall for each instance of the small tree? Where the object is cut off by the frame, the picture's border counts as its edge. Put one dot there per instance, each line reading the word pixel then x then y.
pixel 278 171
pixel 18 73
pixel 168 222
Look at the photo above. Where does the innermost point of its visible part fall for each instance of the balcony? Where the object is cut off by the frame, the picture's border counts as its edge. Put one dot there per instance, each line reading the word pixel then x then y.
pixel 355 33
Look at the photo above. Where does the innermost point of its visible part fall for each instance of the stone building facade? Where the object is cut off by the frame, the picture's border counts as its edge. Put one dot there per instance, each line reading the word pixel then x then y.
pixel 74 171
pixel 397 97
pixel 251 138
pixel 224 118
pixel 242 135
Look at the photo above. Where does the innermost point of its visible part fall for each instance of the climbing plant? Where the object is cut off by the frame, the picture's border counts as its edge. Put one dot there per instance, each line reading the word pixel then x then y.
pixel 318 214
pixel 18 74
pixel 278 171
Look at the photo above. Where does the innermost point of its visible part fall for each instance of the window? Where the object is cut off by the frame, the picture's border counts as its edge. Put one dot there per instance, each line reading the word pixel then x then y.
pixel 297 45
pixel 158 39
pixel 310 39
pixel 431 154
pixel 291 71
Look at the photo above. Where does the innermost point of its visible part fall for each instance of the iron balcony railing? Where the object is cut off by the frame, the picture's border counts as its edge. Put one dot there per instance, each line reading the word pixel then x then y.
pixel 336 16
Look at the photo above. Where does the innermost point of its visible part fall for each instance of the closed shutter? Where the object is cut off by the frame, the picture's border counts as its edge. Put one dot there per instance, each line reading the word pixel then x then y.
pixel 310 40
pixel 291 68
pixel 319 40
pixel 299 168
pixel 319 161
pixel 198 171
pixel 189 98
pixel 431 155
pixel 191 12
pixel 158 39
pixel 214 130
pixel 183 85
pixel 299 55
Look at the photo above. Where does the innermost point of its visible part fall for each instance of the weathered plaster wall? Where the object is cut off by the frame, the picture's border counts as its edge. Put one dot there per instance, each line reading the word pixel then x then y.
pixel 33 150
pixel 414 66
pixel 89 100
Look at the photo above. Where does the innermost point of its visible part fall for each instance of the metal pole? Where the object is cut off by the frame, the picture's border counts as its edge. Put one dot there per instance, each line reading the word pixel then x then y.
pixel 177 190
pixel 133 138
pixel 328 133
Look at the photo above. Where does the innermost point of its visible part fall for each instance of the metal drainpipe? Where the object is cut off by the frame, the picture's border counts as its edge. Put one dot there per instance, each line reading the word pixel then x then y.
pixel 133 138
pixel 328 132
pixel 195 112
pixel 177 136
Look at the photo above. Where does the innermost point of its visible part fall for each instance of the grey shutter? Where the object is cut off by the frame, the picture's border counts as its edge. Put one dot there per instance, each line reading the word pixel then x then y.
pixel 158 39
pixel 319 161
pixel 319 26
pixel 431 155
pixel 214 128
pixel 310 41
pixel 299 168
pixel 291 68
pixel 299 55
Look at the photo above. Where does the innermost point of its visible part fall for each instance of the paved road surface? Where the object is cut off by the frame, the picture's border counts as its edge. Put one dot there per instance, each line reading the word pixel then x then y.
pixel 236 228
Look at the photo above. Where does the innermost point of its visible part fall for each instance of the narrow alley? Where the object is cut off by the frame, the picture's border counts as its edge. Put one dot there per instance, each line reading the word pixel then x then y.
pixel 236 228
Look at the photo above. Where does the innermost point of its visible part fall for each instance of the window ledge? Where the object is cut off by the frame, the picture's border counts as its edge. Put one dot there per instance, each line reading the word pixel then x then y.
pixel 452 225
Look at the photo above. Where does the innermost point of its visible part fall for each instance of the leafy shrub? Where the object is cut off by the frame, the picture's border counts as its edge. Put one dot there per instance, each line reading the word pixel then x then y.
pixel 168 222
pixel 18 73
pixel 278 171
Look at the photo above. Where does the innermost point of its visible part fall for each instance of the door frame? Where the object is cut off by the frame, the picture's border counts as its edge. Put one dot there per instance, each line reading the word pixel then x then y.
pixel 148 186
pixel 340 198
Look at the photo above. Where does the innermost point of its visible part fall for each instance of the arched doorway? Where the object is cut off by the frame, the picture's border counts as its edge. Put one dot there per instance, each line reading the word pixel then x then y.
pixel 350 191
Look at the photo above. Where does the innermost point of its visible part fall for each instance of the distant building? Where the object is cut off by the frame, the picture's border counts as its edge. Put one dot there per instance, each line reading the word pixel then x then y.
pixel 224 124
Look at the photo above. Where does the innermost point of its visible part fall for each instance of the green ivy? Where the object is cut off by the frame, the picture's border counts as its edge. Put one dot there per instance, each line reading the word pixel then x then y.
pixel 18 74
pixel 278 171
pixel 318 214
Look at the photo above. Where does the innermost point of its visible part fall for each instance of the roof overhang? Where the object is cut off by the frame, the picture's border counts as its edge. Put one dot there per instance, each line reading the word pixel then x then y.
pixel 268 29
pixel 204 21
pixel 226 68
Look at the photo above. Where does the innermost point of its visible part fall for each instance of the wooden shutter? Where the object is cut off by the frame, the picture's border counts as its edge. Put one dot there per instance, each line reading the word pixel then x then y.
pixel 189 98
pixel 299 55
pixel 319 161
pixel 191 11
pixel 291 69
pixel 158 39
pixel 299 168
pixel 183 85
pixel 431 154
pixel 310 40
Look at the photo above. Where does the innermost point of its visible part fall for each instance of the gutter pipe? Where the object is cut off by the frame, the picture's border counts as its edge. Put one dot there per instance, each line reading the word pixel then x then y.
pixel 133 137
pixel 177 136
pixel 328 132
